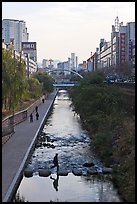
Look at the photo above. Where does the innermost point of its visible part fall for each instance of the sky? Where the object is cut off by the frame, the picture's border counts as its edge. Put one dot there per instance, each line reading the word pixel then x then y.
pixel 62 28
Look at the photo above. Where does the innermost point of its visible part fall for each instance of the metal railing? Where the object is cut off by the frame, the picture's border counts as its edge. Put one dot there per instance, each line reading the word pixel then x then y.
pixel 9 122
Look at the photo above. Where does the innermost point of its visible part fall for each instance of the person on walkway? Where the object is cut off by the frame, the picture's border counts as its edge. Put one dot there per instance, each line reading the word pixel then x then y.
pixel 55 162
pixel 37 115
pixel 43 100
pixel 55 182
pixel 31 117
pixel 36 108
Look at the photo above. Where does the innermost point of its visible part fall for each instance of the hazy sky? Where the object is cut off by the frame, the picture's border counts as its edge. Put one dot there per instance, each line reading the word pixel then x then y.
pixel 60 28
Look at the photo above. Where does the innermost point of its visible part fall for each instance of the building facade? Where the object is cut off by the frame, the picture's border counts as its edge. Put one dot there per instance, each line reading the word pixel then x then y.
pixel 15 31
pixel 119 50
pixel 30 49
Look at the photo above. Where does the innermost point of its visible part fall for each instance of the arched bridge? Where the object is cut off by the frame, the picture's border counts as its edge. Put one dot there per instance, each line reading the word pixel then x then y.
pixel 72 71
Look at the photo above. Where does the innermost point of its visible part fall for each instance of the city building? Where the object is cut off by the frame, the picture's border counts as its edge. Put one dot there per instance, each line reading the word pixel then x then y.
pixel 103 55
pixel 15 31
pixel 115 45
pixel 30 49
pixel 82 67
pixel 31 66
pixel 73 62
pixel 122 43
pixel 119 50
pixel 15 36
pixel 92 62
pixel 130 40
pixel 45 63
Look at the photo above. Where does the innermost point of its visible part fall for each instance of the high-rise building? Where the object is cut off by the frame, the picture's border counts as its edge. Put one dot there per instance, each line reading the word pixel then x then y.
pixel 76 63
pixel 122 41
pixel 73 61
pixel 126 41
pixel 122 44
pixel 130 40
pixel 15 31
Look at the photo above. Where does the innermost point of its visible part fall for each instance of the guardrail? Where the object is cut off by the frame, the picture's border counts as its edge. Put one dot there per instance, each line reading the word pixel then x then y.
pixel 125 84
pixel 12 120
pixel 7 130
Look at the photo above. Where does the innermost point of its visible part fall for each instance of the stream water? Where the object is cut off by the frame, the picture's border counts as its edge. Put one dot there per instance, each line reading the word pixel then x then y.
pixel 63 134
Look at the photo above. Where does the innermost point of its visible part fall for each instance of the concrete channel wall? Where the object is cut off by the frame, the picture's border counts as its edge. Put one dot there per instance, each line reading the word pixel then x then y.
pixel 9 194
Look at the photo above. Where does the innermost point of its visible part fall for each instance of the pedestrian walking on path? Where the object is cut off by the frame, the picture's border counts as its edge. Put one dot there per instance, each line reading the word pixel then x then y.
pixel 55 162
pixel 43 100
pixel 31 117
pixel 36 108
pixel 37 115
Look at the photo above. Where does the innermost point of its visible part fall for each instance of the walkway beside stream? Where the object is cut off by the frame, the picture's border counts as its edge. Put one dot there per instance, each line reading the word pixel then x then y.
pixel 16 150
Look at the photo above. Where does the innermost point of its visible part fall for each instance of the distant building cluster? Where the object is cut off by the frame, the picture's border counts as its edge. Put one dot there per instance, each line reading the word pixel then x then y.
pixel 119 50
pixel 65 66
pixel 15 36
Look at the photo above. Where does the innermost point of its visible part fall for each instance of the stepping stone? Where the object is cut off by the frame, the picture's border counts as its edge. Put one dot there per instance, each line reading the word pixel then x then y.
pixel 88 164
pixel 77 172
pixel 28 172
pixel 107 170
pixel 44 172
pixel 92 171
pixel 98 169
pixel 62 172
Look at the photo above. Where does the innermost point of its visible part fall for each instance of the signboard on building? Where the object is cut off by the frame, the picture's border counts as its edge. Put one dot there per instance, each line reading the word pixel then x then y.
pixel 28 45
pixel 30 50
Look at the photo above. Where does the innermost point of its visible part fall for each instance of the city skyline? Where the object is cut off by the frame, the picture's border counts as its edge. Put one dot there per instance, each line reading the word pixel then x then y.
pixel 62 28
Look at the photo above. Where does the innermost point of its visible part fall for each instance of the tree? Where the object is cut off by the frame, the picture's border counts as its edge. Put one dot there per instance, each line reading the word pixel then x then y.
pixel 13 79
pixel 45 80
pixel 34 87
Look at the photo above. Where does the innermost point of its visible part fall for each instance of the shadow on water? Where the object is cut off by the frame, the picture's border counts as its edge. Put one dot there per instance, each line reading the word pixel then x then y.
pixel 63 134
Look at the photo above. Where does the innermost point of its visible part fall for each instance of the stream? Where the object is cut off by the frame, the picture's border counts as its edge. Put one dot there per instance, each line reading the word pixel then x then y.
pixel 63 134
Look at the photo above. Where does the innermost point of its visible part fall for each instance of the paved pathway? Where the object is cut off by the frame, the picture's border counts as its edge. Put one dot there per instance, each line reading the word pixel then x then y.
pixel 16 150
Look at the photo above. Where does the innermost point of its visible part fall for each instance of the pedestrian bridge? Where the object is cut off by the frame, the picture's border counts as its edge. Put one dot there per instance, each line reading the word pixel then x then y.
pixel 63 85
pixel 67 70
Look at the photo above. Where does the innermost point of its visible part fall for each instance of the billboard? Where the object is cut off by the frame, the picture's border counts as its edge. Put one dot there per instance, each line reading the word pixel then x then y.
pixel 28 45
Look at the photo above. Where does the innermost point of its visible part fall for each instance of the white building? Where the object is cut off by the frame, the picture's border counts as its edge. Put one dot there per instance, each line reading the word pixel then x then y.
pixel 45 63
pixel 105 55
pixel 74 61
pixel 31 66
pixel 69 63
pixel 16 31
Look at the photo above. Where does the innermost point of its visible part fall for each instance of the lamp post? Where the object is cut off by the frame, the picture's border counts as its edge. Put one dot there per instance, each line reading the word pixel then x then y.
pixel 13 110
pixel 27 65
pixel 13 94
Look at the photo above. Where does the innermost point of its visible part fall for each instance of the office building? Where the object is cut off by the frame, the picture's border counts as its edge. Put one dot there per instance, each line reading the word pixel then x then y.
pixel 15 31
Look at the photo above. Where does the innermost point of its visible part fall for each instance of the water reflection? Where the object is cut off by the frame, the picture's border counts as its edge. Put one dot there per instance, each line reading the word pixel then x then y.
pixel 63 134
pixel 55 181
pixel 71 189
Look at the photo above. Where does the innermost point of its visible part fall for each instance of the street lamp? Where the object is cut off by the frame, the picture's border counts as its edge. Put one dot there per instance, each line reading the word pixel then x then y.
pixel 13 111
pixel 12 122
